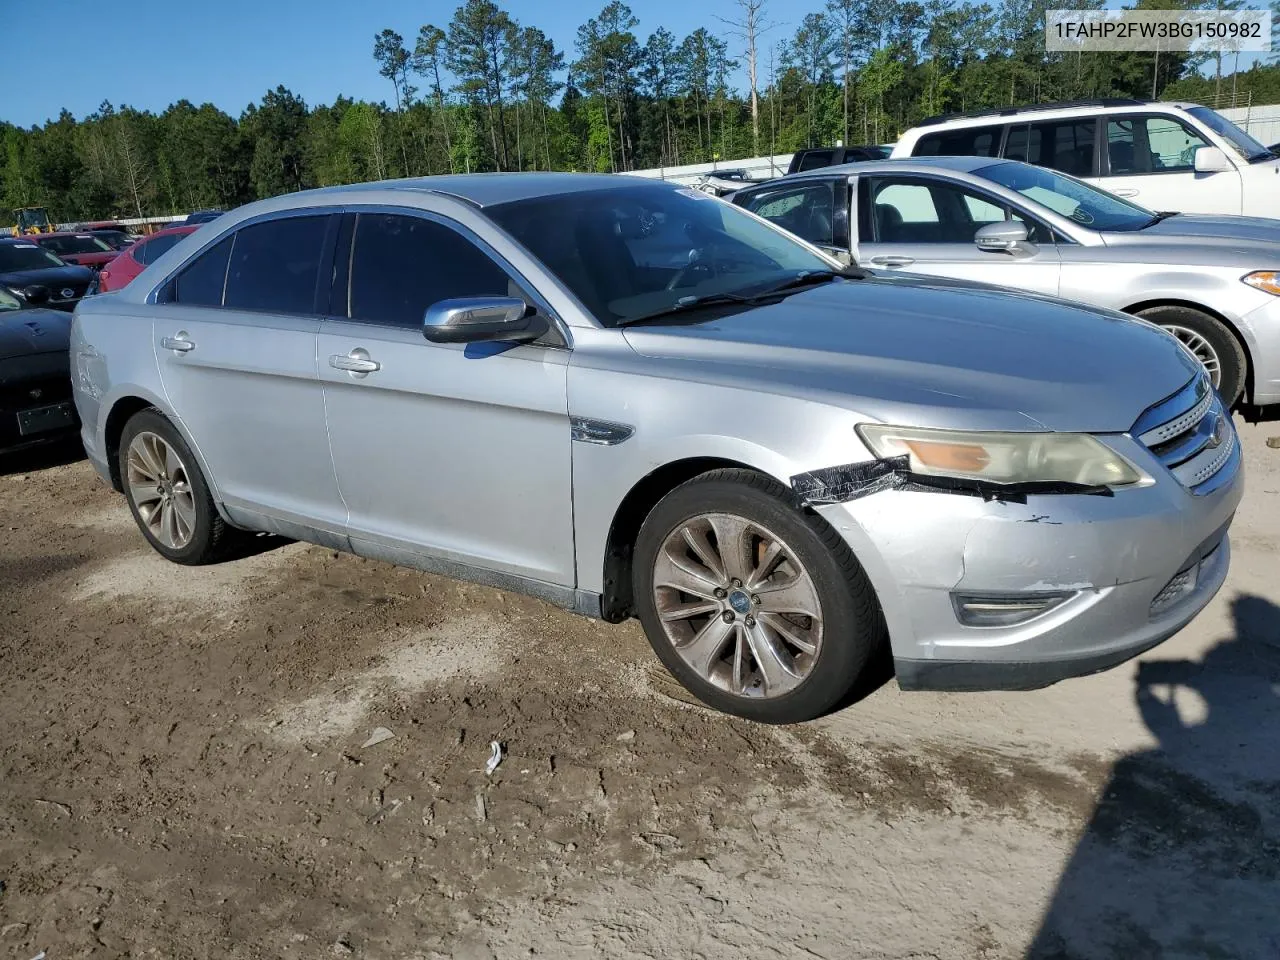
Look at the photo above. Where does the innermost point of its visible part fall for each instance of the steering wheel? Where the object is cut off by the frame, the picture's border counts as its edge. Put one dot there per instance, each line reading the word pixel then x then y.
pixel 698 266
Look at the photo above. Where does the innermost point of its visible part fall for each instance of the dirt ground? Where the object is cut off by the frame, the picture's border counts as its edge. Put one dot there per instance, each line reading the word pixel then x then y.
pixel 182 774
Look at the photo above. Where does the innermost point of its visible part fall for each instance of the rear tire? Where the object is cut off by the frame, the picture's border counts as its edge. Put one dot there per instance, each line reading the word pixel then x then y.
pixel 759 609
pixel 1211 341
pixel 168 495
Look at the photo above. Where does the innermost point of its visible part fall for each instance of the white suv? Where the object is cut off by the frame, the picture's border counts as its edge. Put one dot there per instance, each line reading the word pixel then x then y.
pixel 1180 157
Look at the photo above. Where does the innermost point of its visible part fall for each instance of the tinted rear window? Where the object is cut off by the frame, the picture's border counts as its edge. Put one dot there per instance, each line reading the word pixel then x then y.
pixel 815 159
pixel 965 142
pixel 275 265
pixel 201 283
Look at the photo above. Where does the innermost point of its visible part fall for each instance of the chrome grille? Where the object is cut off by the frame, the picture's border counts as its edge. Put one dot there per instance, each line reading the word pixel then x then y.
pixel 1192 435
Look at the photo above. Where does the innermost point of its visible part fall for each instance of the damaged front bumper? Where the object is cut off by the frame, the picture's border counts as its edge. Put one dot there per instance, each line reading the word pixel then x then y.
pixel 1127 570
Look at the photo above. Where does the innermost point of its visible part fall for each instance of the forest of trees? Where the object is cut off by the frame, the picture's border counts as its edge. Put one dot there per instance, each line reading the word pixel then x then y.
pixel 484 92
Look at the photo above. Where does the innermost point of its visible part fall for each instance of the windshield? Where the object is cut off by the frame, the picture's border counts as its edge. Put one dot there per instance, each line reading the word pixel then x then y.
pixel 114 239
pixel 80 243
pixel 26 256
pixel 1072 198
pixel 1240 141
pixel 633 251
pixel 8 301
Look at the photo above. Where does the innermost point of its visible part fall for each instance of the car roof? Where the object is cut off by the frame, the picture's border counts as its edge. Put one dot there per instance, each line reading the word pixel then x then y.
pixel 1004 115
pixel 491 189
pixel 61 233
pixel 896 165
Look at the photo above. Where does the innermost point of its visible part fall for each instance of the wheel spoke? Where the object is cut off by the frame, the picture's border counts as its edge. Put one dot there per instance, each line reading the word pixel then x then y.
pixel 795 595
pixel 150 451
pixel 680 574
pixel 698 543
pixel 168 533
pixel 184 510
pixel 683 611
pixel 773 555
pixel 707 646
pixel 792 634
pixel 741 663
pixel 777 672
pixel 144 494
pixel 172 465
pixel 732 541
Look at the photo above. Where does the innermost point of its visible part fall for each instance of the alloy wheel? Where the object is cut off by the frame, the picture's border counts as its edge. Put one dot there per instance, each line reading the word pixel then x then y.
pixel 737 605
pixel 1201 348
pixel 160 488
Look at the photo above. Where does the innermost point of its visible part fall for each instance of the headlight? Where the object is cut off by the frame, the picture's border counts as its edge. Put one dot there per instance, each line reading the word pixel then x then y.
pixel 1268 281
pixel 1074 458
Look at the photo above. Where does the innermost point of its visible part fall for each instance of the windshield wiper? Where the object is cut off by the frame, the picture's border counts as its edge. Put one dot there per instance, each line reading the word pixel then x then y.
pixel 685 304
pixel 1159 217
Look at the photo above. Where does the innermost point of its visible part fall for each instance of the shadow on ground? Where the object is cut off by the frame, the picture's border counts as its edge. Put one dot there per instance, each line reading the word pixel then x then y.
pixel 1182 855
pixel 41 458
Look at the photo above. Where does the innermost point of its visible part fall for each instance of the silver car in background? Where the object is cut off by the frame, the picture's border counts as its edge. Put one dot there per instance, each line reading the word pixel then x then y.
pixel 1214 282
pixel 633 399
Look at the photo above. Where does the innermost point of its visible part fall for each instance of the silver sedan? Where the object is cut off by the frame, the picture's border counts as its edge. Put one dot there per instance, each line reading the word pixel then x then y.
pixel 1213 282
pixel 638 400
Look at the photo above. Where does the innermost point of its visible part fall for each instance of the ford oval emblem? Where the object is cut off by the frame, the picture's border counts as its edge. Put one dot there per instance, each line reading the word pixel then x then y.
pixel 67 293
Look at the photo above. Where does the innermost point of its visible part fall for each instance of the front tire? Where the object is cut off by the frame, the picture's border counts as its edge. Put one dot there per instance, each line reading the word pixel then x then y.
pixel 757 608
pixel 1213 344
pixel 168 495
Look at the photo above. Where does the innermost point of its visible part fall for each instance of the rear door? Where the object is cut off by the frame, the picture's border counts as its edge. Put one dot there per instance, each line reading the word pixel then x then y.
pixel 1150 159
pixel 453 451
pixel 920 224
pixel 236 342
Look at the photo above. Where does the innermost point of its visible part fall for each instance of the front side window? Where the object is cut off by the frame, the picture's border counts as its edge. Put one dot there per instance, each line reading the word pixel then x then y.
pixel 1146 145
pixel 274 265
pixel 964 142
pixel 1085 204
pixel 1066 145
pixel 588 239
pixel 8 301
pixel 807 211
pixel 935 212
pixel 201 282
pixel 401 265
pixel 27 256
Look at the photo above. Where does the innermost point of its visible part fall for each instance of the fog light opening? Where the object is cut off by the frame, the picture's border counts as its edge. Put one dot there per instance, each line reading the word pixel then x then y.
pixel 1004 610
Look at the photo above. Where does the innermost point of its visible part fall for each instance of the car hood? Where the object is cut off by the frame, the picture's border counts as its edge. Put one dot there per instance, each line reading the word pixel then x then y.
pixel 1195 227
pixel 26 332
pixel 936 354
pixel 46 276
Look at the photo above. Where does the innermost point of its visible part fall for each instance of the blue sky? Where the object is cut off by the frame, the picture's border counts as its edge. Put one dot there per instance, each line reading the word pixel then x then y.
pixel 149 53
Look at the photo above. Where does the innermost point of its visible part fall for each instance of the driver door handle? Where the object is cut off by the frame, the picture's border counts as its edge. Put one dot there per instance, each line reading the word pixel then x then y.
pixel 893 261
pixel 178 344
pixel 354 364
pixel 1126 192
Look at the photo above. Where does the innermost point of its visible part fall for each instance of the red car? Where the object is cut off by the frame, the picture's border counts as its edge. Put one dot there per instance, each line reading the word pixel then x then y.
pixel 134 260
pixel 82 248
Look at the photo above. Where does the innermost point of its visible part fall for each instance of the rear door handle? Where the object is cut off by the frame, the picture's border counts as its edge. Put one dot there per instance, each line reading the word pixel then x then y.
pixel 892 261
pixel 1126 192
pixel 357 361
pixel 178 344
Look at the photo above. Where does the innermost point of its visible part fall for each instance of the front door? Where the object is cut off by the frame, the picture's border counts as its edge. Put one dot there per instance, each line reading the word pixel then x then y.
pixel 1151 161
pixel 920 224
pixel 236 345
pixel 460 452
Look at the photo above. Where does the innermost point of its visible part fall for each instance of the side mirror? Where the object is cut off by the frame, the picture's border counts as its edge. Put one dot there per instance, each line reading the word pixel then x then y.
pixel 1008 236
pixel 477 319
pixel 1211 160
